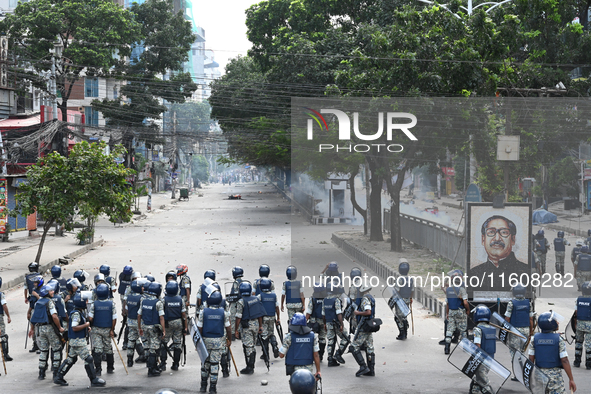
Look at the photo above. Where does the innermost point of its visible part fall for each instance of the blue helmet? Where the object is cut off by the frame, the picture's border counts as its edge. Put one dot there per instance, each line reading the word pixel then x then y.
pixel 481 313
pixel 105 270
pixel 150 278
pixel 80 275
pixel 547 323
pixel 245 289
pixel 155 289
pixel 78 301
pixel 102 291
pixel 53 284
pixel 265 284
pixel 56 271
pixel 127 270
pixel 99 278
pixel 44 292
pixel 237 272
pixel 302 381
pixel 560 234
pixel 209 274
pixel 333 269
pixel 585 288
pixel 135 287
pixel 403 267
pixel 319 290
pixel 71 283
pixel 540 234
pixel 172 288
pixel 291 272
pixel 355 273
pixel 170 275
pixel 214 298
pixel 39 280
pixel 519 291
pixel 264 271
pixel 298 319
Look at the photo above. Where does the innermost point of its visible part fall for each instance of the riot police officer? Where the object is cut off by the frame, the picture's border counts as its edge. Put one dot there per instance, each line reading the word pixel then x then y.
pixel 583 267
pixel 583 335
pixel 151 322
pixel 214 326
pixel 102 315
pixel 36 284
pixel 300 346
pixel 455 311
pixel 98 279
pixel 576 250
pixel 548 351
pixel 29 287
pixel 82 275
pixel 541 246
pixel 249 317
pixel 559 248
pixel 332 313
pixel 125 278
pixel 3 334
pixel 202 293
pixel 175 320
pixel 520 314
pixel 271 305
pixel 293 293
pixel 109 280
pixel 264 272
pixel 406 287
pixel 72 287
pixel 185 283
pixel 314 315
pixel 132 304
pixel 237 274
pixel 56 273
pixel 364 337
pixel 485 337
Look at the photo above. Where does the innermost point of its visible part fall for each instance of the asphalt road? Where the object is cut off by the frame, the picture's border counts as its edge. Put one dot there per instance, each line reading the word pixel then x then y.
pixel 212 232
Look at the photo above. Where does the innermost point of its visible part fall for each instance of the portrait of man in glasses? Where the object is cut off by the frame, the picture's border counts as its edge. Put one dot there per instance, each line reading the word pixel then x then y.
pixel 498 236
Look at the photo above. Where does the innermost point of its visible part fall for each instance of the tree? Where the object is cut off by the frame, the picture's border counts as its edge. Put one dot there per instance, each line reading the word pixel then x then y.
pixel 88 182
pixel 200 168
pixel 94 35
pixel 565 174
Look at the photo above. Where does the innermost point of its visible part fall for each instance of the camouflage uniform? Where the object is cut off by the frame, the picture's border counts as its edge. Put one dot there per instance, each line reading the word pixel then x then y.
pixel 364 339
pixel 582 276
pixel 234 290
pixel 269 323
pixel 542 255
pixel 353 295
pixel 256 283
pixel 560 255
pixel 185 283
pixel 249 334
pixel 216 347
pixel 583 339
pixel 46 338
pixel 480 381
pixel 153 334
pixel 294 307
pixel 556 384
pixel 287 343
pixel 78 346
pixel 322 332
pixel 2 303
pixel 101 337
pixel 332 329
pixel 515 341
pixel 457 319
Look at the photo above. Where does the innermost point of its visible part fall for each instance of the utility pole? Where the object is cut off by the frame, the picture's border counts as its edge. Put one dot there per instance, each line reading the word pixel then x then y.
pixel 174 158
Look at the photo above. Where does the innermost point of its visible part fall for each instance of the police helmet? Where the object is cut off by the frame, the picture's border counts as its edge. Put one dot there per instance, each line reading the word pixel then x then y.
pixel 481 313
pixel 71 283
pixel 298 319
pixel 579 242
pixel 519 291
pixel 585 288
pixel 99 278
pixel 265 284
pixel 584 249
pixel 79 301
pixel 332 269
pixel 39 280
pixel 172 288
pixel 135 287
pixel 143 283
pixel 264 271
pixel 181 269
pixel 245 289
pixel 365 288
pixel 319 290
pixel 33 267
pixel 155 289
pixel 403 267
pixel 540 234
pixel 80 275
pixel 355 273
pixel 127 270
pixel 44 292
pixel 136 275
pixel 150 278
pixel 105 270
pixel 547 322
pixel 170 275
pixel 291 272
pixel 302 381
pixel 56 271
pixel 53 284
pixel 102 291
pixel 209 274
pixel 237 272
pixel 560 234
pixel 217 286
pixel 214 298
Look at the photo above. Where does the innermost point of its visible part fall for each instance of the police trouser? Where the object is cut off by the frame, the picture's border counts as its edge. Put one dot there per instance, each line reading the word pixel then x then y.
pixel 583 339
pixel 332 333
pixel 582 277
pixel 456 319
pixel 560 262
pixel 542 258
pixel 481 382
pixel 233 318
pixel 46 339
pixel 216 348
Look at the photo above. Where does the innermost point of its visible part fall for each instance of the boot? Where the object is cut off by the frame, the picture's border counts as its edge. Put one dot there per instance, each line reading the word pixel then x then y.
pixel 203 388
pixel 42 373
pixel 163 358
pixel 588 361
pixel 321 352
pixel 35 348
pixel 91 372
pixel 61 372
pixel 577 362
pixel 141 352
pixel 400 325
pixel 5 348
pixel 371 363
pixel 331 360
pixel 405 331
pixel 212 387
pixel 455 337
pixel 273 341
pixel 176 359
pixel 338 358
pixel 447 345
pixel 152 366
pixel 264 345
pixel 110 363
pixel 124 347
pixel 363 369
pixel 129 361
pixel 97 357
pixel 249 370
pixel 224 362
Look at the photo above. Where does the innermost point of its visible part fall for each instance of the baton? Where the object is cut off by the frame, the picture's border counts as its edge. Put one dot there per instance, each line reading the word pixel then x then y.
pixel 121 357
pixel 233 361
pixel 509 331
pixel 412 320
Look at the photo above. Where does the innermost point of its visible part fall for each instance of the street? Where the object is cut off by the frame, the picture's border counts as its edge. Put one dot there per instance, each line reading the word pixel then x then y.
pixel 213 232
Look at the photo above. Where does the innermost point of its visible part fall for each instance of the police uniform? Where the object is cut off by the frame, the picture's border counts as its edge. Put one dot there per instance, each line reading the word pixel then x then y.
pixel 124 284
pixel 174 308
pixel 583 264
pixel 299 351
pixel 549 348
pixel 234 293
pixel 457 318
pixel 214 322
pixel 331 309
pixel 541 246
pixel 356 297
pixel 574 253
pixel 184 285
pixel 364 338
pixel 271 304
pixel 248 310
pixel 519 312
pixel 4 335
pixel 132 305
pixel 112 283
pixel 583 335
pixel 102 314
pixel 485 335
pixel 150 310
pixel 46 337
pixel 405 292
pixel 560 250
pixel 314 310
pixel 292 290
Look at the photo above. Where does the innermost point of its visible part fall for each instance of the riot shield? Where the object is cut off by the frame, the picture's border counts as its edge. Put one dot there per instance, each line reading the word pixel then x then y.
pixel 529 375
pixel 473 362
pixel 570 332
pixel 198 341
pixel 510 336
pixel 395 299
pixel 231 297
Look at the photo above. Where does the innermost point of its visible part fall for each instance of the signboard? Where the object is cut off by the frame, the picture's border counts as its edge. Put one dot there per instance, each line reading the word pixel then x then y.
pixel 449 171
pixel 3 206
pixel 473 194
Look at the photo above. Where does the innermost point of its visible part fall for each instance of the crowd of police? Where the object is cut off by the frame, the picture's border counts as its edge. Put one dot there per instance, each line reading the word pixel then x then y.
pixel 70 314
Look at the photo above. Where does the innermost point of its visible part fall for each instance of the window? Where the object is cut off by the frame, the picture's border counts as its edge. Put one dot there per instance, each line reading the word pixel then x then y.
pixel 91 86
pixel 115 92
pixel 91 116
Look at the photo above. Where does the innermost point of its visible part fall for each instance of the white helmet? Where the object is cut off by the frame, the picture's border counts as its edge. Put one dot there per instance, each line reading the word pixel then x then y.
pixel 579 242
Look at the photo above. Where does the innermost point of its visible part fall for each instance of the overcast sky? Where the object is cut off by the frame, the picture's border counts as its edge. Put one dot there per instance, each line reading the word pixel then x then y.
pixel 225 29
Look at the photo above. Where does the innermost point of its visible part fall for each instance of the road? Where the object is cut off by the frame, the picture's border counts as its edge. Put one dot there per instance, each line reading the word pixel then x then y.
pixel 212 232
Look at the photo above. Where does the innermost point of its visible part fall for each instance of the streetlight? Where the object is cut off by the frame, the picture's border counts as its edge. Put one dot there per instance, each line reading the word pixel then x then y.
pixel 470 8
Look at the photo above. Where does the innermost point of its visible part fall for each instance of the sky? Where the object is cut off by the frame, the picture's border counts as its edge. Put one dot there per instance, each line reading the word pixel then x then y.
pixel 225 29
